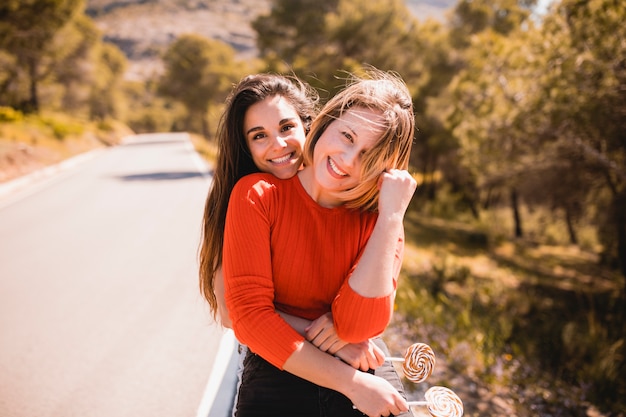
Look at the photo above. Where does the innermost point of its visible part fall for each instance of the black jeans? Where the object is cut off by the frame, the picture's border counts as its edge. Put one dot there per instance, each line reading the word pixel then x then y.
pixel 266 391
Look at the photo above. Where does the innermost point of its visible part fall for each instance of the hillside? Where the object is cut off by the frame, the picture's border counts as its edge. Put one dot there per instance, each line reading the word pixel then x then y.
pixel 144 28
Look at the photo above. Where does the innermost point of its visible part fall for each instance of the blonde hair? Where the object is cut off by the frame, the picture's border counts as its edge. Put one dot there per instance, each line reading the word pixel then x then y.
pixel 383 92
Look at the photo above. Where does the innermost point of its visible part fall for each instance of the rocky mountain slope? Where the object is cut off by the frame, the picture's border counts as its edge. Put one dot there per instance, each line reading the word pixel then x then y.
pixel 144 28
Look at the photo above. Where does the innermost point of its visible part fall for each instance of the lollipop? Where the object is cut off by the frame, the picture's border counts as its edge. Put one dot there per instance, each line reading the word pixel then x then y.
pixel 418 362
pixel 441 402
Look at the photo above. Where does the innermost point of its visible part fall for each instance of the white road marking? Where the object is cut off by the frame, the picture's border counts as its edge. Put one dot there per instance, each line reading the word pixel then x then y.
pixel 222 359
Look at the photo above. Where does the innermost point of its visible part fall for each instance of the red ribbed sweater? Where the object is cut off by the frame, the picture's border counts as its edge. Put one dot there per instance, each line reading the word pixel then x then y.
pixel 283 251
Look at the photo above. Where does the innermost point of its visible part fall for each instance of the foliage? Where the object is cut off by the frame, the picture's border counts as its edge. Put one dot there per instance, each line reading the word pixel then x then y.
pixel 535 324
pixel 105 98
pixel 471 17
pixel 334 37
pixel 33 141
pixel 27 28
pixel 61 63
pixel 9 114
pixel 60 128
pixel 591 118
pixel 198 71
pixel 152 113
pixel 536 114
pixel 292 27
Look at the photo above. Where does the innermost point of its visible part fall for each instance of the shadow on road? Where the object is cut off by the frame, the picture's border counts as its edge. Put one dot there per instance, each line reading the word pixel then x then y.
pixel 161 176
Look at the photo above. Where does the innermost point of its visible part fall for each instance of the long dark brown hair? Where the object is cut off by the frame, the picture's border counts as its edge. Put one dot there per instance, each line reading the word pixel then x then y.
pixel 235 161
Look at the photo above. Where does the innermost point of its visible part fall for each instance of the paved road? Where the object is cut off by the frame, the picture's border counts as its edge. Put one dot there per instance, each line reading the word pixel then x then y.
pixel 100 313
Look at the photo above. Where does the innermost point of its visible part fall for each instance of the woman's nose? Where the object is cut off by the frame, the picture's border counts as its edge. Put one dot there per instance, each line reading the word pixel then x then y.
pixel 280 141
pixel 351 157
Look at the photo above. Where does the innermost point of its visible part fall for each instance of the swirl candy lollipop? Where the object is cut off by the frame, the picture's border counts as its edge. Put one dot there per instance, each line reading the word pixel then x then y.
pixel 441 402
pixel 418 362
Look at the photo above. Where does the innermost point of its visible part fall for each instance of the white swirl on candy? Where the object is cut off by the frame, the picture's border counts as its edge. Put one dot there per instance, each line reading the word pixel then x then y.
pixel 443 402
pixel 419 362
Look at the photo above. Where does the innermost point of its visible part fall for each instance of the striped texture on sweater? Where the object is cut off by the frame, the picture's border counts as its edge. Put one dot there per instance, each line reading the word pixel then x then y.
pixel 283 251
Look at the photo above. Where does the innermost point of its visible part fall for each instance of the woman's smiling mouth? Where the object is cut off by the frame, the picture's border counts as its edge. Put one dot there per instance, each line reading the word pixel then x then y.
pixel 282 159
pixel 334 169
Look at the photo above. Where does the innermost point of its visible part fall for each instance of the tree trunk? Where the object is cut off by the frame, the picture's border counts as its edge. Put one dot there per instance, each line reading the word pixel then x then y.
pixel 570 227
pixel 487 202
pixel 619 211
pixel 33 100
pixel 472 204
pixel 516 214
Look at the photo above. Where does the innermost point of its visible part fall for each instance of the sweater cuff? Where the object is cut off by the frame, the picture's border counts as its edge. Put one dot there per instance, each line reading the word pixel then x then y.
pixel 359 318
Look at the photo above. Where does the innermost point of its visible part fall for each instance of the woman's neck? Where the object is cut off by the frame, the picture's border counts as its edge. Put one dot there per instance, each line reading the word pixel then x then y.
pixel 315 191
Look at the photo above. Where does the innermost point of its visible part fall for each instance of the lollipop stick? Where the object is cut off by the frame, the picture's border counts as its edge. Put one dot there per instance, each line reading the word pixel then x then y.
pixel 417 403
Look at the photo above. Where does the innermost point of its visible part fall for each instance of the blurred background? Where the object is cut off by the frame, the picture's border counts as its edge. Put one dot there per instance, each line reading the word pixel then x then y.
pixel 515 266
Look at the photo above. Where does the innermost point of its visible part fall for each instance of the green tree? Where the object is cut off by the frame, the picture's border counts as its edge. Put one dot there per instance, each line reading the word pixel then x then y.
pixel 291 27
pixel 71 61
pixel 473 119
pixel 321 41
pixel 470 17
pixel 27 28
pixel 584 82
pixel 106 98
pixel 198 71
pixel 378 33
pixel 480 108
pixel 9 80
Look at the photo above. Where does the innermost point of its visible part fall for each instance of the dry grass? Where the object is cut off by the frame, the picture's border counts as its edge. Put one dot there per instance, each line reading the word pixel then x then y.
pixel 34 142
pixel 503 317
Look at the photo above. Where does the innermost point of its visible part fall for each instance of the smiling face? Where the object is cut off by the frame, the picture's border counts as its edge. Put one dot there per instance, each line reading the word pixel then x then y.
pixel 275 136
pixel 339 152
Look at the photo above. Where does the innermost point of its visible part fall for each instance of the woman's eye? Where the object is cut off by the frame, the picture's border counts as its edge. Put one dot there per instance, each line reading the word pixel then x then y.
pixel 288 127
pixel 258 136
pixel 348 137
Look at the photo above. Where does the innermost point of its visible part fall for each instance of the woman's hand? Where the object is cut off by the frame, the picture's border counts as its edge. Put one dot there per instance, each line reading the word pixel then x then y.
pixel 397 187
pixel 374 396
pixel 321 333
pixel 364 356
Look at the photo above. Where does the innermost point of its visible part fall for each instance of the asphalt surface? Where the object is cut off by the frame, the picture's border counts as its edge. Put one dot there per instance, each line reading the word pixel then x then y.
pixel 100 313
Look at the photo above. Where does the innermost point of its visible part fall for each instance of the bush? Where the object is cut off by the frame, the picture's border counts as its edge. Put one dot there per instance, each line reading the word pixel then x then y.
pixel 62 129
pixel 9 114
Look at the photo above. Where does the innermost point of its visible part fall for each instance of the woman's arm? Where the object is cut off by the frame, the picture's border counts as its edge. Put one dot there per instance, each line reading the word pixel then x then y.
pixel 371 394
pixel 299 324
pixel 321 333
pixel 362 356
pixel 222 311
pixel 375 274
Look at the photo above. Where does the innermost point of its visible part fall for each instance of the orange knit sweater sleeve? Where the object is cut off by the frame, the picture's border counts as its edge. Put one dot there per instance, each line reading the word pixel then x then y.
pixel 282 251
pixel 349 307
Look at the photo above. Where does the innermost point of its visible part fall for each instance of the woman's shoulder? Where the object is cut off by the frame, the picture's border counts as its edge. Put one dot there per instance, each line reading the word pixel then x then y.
pixel 259 183
pixel 257 177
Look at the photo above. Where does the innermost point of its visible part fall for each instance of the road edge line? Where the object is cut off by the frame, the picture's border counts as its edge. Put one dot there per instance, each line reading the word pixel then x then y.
pixel 220 364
